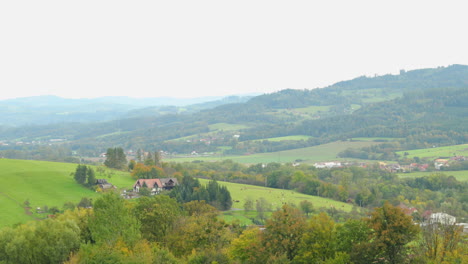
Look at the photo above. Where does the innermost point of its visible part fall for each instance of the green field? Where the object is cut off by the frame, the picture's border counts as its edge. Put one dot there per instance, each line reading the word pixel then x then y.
pixel 241 192
pixel 325 152
pixel 42 183
pixel 277 197
pixel 459 175
pixel 375 139
pixel 276 139
pixel 434 153
pixel 214 129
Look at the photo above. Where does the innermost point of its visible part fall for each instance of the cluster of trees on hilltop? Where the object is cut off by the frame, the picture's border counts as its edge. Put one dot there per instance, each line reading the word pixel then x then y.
pixel 85 175
pixel 160 230
pixel 214 194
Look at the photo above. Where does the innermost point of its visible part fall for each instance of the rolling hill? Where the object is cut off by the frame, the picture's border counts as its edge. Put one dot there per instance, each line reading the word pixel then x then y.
pixel 50 184
pixel 420 107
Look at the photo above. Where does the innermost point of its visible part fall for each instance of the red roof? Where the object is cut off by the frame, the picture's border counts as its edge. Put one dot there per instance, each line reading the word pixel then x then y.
pixel 151 183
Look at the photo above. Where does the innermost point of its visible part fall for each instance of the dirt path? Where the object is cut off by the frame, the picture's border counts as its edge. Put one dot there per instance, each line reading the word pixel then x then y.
pixel 27 210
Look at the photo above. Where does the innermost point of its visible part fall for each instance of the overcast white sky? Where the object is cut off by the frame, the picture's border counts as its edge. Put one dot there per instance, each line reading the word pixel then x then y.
pixel 199 48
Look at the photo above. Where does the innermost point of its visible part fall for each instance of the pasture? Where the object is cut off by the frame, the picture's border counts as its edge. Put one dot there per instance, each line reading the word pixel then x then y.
pixel 459 175
pixel 440 152
pixel 277 139
pixel 325 152
pixel 375 139
pixel 277 197
pixel 43 183
pixel 51 183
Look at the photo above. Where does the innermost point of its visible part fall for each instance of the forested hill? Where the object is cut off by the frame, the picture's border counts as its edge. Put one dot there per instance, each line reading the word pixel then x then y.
pixel 428 105
pixel 45 110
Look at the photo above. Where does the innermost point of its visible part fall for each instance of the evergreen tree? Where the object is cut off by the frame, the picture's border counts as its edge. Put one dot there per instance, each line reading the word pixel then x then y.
pixel 157 158
pixel 80 174
pixel 91 176
pixel 115 158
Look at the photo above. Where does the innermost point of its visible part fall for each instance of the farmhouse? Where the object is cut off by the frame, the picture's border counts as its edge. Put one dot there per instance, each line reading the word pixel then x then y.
pixel 438 163
pixel 104 184
pixel 155 185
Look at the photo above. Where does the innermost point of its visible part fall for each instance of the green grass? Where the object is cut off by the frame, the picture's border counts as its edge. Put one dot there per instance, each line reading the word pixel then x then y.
pixel 214 129
pixel 276 139
pixel 50 183
pixel 325 152
pixel 43 183
pixel 355 107
pixel 375 139
pixel 459 175
pixel 434 153
pixel 277 197
pixel 113 134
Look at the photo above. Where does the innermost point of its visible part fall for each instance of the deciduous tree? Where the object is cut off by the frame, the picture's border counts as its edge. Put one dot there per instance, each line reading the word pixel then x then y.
pixel 392 231
pixel 284 231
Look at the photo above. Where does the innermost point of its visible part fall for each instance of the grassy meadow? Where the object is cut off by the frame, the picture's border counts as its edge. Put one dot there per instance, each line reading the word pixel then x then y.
pixel 434 153
pixel 277 197
pixel 459 175
pixel 325 152
pixel 376 139
pixel 277 139
pixel 50 183
pixel 43 183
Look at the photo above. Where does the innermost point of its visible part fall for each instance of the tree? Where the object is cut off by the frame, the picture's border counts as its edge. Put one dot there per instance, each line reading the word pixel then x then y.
pixel 112 220
pixel 284 231
pixel 350 234
pixel 115 158
pixel 157 158
pixel 80 174
pixel 149 160
pixel 319 241
pixel 139 155
pixel 47 241
pixel 262 205
pixel 85 203
pixel 156 215
pixel 91 176
pixel 440 240
pixel 306 207
pixel 249 204
pixel 131 165
pixel 392 230
pixel 248 247
pixel 197 232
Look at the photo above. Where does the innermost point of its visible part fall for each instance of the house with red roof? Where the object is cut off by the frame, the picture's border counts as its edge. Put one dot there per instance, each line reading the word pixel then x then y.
pixel 155 185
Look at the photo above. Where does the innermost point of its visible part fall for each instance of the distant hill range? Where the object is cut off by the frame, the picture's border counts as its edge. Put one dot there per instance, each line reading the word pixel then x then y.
pixel 42 110
pixel 427 106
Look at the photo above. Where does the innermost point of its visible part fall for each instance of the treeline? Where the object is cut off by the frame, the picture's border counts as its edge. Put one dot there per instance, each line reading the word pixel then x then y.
pixel 365 187
pixel 191 190
pixel 421 116
pixel 160 230
pixel 85 175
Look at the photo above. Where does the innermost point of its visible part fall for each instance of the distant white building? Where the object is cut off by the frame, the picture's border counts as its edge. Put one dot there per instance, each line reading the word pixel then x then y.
pixel 441 218
pixel 328 165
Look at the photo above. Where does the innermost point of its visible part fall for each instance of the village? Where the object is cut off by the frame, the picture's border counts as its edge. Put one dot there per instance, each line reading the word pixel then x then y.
pixel 439 164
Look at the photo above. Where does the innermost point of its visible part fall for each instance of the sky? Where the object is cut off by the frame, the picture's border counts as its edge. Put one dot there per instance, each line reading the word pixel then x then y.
pixel 85 49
